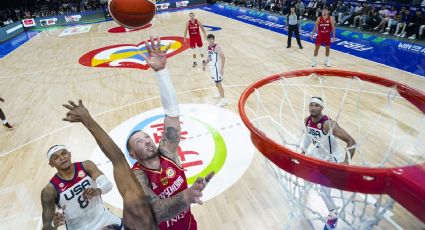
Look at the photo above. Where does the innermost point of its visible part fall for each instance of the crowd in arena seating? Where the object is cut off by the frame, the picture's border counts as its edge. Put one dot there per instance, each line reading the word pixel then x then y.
pixel 44 8
pixel 388 21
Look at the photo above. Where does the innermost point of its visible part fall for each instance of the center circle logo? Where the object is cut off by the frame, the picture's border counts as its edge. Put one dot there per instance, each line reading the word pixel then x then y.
pixel 212 139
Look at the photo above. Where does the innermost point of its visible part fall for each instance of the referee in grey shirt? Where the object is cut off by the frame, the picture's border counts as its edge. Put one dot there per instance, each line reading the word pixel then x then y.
pixel 293 23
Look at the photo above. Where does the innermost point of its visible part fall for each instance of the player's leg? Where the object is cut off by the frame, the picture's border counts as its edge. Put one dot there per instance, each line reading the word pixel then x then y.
pixel 327 42
pixel 316 52
pixel 192 42
pixel 199 46
pixel 290 31
pixel 223 101
pixel 332 217
pixel 6 124
pixel 297 36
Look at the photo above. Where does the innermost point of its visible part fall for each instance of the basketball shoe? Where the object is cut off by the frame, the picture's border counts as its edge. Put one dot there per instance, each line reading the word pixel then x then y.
pixel 331 220
pixel 222 102
pixel 327 63
pixel 8 126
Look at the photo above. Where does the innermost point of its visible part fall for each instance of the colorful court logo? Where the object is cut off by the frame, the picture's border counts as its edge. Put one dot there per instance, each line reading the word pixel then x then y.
pixel 128 55
pixel 122 29
pixel 212 139
pixel 75 30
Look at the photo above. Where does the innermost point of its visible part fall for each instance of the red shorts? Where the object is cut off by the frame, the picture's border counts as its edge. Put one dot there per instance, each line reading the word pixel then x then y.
pixel 323 39
pixel 195 41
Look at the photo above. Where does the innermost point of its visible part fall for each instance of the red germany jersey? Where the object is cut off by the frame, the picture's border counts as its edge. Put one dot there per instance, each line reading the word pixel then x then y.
pixel 166 182
pixel 325 26
pixel 193 28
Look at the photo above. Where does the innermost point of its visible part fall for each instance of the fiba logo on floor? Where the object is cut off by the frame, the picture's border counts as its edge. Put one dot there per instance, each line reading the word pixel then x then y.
pixel 212 139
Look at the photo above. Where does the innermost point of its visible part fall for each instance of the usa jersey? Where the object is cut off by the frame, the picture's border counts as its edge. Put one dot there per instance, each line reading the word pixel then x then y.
pixel 193 28
pixel 215 63
pixel 325 145
pixel 325 26
pixel 166 182
pixel 79 213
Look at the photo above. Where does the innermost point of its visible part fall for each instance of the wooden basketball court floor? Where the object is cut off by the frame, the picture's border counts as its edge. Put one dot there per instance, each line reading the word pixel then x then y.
pixel 40 76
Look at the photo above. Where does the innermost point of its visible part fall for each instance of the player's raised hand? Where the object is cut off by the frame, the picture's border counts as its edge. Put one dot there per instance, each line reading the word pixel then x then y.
pixel 194 193
pixel 157 58
pixel 76 113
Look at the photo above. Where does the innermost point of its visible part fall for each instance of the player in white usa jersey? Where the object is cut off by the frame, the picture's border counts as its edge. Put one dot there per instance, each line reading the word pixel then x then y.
pixel 216 61
pixel 321 132
pixel 76 188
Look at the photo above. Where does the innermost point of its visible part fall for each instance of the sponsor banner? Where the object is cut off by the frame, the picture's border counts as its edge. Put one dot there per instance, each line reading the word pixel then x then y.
pixel 73 18
pixel 211 140
pixel 75 30
pixel 7 32
pixel 13 29
pixel 182 4
pixel 162 6
pixel 373 47
pixel 28 22
pixel 48 21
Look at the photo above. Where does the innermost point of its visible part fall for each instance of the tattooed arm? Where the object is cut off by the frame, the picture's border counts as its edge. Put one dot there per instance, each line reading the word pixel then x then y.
pixel 164 209
pixel 48 195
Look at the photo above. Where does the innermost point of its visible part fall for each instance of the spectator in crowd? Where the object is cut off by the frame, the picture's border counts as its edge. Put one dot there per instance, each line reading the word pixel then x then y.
pixel 300 8
pixel 363 17
pixel 311 9
pixel 414 25
pixel 389 14
pixel 374 19
pixel 403 22
pixel 348 13
pixel 339 12
pixel 392 22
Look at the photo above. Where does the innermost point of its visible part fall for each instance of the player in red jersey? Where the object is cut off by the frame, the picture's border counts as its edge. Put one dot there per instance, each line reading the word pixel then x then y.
pixel 140 211
pixel 325 25
pixel 195 39
pixel 159 169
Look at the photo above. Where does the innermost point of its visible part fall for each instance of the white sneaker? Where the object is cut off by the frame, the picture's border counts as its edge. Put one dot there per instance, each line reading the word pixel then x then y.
pixel 313 63
pixel 222 103
pixel 397 35
pixel 327 63
pixel 403 35
pixel 412 37
pixel 385 33
pixel 217 96
pixel 331 220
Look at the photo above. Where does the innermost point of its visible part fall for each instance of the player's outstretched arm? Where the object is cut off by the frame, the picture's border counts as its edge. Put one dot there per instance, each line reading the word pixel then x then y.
pixel 343 135
pixel 167 208
pixel 48 195
pixel 157 61
pixel 127 183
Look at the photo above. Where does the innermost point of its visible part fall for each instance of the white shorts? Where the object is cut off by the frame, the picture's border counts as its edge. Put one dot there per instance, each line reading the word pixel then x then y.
pixel 215 74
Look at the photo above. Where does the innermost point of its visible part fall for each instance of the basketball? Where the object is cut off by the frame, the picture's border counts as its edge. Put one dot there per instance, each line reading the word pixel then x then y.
pixel 132 13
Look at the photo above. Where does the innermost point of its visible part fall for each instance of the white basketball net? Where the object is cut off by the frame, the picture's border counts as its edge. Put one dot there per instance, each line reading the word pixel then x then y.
pixel 347 101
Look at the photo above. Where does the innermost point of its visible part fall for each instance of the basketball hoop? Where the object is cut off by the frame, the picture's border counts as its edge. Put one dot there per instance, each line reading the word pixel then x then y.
pixel 405 184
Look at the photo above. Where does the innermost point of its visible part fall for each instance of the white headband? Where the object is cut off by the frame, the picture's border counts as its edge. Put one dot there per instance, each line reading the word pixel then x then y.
pixel 53 150
pixel 317 101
